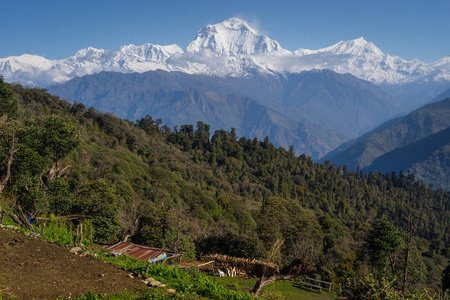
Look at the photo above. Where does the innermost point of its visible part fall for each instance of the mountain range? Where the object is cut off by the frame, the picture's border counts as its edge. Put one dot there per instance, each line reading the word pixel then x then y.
pixel 231 48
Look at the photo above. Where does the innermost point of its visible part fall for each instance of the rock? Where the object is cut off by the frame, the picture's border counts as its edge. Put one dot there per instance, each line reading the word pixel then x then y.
pixel 85 253
pixel 25 233
pixel 147 280
pixel 155 283
pixel 35 234
pixel 172 291
pixel 12 227
pixel 75 250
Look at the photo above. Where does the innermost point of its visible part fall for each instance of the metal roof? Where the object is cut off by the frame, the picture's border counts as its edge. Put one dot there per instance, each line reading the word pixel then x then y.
pixel 140 252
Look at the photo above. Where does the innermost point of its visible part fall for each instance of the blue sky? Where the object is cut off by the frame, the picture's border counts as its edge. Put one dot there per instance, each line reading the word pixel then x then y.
pixel 58 28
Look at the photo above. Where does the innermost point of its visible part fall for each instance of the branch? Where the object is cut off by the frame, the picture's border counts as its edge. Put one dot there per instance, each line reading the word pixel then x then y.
pixel 61 173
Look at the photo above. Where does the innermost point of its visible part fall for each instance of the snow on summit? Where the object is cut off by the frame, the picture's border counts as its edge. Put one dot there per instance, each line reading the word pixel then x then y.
pixel 232 37
pixel 230 48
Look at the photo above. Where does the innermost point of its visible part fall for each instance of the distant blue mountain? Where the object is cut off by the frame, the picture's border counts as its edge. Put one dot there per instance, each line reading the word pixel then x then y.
pixel 419 142
pixel 314 111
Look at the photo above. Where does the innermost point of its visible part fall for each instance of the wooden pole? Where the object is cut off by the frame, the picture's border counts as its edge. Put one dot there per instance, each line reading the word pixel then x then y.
pixel 80 240
pixel 75 236
pixel 2 215
pixel 43 228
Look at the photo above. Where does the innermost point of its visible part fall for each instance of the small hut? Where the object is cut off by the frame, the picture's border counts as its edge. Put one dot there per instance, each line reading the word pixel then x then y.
pixel 141 252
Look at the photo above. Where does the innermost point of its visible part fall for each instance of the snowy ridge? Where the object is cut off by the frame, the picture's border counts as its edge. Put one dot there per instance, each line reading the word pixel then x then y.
pixel 37 71
pixel 366 61
pixel 230 48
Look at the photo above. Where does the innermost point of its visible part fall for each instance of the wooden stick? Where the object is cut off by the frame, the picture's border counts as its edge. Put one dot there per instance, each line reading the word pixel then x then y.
pixel 205 263
pixel 2 215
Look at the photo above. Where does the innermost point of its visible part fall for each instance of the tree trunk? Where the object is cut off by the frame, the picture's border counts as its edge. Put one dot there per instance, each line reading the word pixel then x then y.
pixel 52 172
pixel 5 179
pixel 263 281
pixel 126 238
pixel 392 262
pixel 294 269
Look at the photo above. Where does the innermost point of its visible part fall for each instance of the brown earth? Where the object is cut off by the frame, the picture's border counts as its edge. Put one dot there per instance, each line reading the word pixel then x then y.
pixel 32 268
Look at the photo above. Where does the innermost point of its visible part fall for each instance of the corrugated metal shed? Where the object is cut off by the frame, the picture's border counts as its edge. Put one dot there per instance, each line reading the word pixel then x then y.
pixel 141 252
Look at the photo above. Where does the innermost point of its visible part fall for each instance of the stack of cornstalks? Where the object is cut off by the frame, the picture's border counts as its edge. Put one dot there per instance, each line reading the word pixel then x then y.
pixel 240 267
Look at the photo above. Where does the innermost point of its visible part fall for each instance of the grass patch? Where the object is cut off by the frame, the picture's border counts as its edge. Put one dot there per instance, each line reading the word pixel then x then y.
pixel 282 289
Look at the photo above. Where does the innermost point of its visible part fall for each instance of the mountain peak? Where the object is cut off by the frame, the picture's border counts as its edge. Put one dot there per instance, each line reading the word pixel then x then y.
pixel 360 41
pixel 236 24
pixel 232 37
pixel 357 46
pixel 89 53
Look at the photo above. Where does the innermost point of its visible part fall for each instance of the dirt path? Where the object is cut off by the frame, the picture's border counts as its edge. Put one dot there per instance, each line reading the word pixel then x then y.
pixel 31 268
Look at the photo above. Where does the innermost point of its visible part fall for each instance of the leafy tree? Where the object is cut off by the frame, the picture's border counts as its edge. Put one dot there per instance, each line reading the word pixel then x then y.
pixel 329 231
pixel 281 219
pixel 201 136
pixel 97 201
pixel 59 197
pixel 157 230
pixel 8 105
pixel 8 140
pixel 383 242
pixel 42 143
pixel 149 125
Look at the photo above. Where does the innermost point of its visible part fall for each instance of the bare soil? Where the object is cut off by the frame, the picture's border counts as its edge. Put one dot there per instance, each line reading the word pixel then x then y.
pixel 32 268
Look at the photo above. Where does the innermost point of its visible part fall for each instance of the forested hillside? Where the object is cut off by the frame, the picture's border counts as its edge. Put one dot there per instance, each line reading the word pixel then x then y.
pixel 195 191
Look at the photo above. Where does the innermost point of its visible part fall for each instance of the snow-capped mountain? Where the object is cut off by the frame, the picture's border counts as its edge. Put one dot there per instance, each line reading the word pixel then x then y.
pixel 231 48
pixel 366 61
pixel 233 37
pixel 37 71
